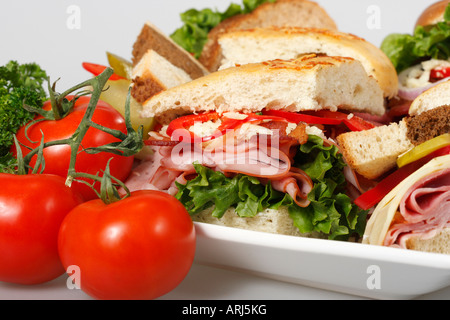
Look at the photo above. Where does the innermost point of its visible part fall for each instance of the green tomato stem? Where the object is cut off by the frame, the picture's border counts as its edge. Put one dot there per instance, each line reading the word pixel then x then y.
pixel 129 144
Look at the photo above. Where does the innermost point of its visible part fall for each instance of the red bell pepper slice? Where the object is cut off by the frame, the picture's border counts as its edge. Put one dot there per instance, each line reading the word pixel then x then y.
pixel 180 126
pixel 439 73
pixel 97 69
pixel 183 123
pixel 370 198
pixel 301 117
pixel 325 117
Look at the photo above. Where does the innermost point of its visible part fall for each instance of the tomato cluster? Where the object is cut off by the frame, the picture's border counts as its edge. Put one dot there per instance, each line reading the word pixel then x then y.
pixel 138 247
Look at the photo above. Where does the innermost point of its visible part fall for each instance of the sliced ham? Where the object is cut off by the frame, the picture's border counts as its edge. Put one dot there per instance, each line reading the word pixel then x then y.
pixel 424 210
pixel 150 175
pixel 297 184
pixel 247 158
pixel 257 157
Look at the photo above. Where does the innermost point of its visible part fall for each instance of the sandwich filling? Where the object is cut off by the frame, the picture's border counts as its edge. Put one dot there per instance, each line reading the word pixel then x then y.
pixel 423 211
pixel 251 162
pixel 417 208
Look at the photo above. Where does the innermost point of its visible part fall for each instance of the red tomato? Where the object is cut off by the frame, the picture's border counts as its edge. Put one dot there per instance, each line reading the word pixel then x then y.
pixel 32 208
pixel 57 158
pixel 140 247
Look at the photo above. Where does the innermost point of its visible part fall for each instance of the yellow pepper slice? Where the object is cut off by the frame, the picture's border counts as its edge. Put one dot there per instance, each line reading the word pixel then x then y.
pixel 116 95
pixel 121 66
pixel 424 149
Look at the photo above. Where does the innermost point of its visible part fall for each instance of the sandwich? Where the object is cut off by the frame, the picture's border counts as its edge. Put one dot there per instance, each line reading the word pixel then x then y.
pixel 202 28
pixel 415 215
pixel 409 204
pixel 260 44
pixel 252 146
pixel 373 153
pixel 422 58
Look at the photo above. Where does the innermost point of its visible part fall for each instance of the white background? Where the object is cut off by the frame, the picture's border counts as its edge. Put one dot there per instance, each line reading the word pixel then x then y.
pixel 37 31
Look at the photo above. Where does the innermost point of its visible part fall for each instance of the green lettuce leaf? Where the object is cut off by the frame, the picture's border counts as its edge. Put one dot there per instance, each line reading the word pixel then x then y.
pixel 193 34
pixel 244 193
pixel 331 212
pixel 405 50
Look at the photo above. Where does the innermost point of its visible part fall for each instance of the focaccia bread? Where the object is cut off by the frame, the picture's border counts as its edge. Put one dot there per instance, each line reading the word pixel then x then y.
pixel 302 13
pixel 261 44
pixel 311 82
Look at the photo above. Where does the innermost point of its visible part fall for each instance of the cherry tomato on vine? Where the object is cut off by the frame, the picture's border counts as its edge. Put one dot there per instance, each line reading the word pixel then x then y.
pixel 140 247
pixel 32 208
pixel 57 158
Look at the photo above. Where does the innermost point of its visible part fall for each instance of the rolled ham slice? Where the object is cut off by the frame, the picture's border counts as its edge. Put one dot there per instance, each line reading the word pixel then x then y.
pixel 425 210
pixel 417 206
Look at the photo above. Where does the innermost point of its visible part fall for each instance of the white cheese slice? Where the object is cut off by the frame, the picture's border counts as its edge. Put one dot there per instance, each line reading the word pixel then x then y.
pixel 380 220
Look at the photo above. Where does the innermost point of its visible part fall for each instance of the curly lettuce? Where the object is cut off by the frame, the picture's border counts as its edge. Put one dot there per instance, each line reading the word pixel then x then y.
pixel 193 35
pixel 405 50
pixel 331 212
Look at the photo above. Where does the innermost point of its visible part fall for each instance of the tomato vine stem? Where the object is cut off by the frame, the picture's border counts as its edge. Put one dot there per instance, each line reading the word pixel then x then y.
pixel 128 144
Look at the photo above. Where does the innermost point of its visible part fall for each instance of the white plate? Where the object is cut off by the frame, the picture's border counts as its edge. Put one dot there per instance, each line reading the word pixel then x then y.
pixel 352 268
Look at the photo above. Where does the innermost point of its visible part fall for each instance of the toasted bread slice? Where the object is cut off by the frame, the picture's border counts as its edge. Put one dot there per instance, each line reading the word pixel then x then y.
pixel 153 74
pixel 311 82
pixel 302 13
pixel 152 38
pixel 374 152
pixel 436 96
pixel 260 44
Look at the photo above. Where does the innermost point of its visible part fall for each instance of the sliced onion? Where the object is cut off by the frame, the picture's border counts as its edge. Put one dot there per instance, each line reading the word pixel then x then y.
pixel 411 94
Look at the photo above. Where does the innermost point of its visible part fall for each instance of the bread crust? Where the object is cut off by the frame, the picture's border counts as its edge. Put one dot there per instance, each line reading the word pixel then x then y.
pixel 256 43
pixel 428 125
pixel 151 38
pixel 267 14
pixel 372 153
pixel 154 74
pixel 311 82
pixel 145 87
pixel 432 14
pixel 437 96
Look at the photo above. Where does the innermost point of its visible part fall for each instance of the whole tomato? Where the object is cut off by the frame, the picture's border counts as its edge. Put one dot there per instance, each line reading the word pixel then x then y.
pixel 57 158
pixel 32 208
pixel 140 247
